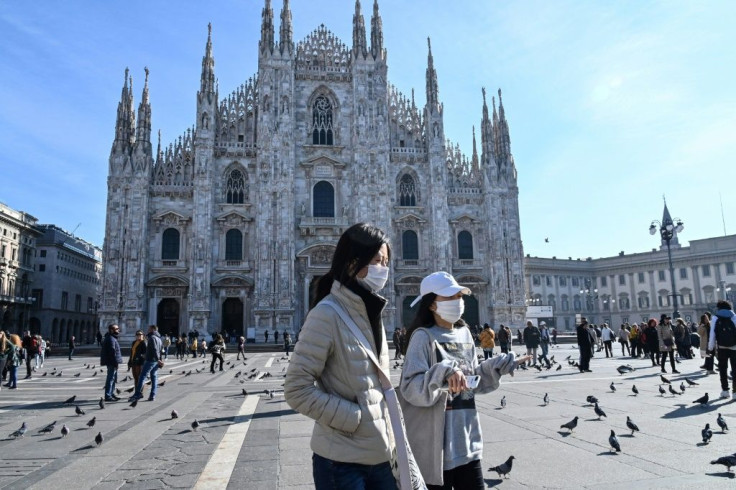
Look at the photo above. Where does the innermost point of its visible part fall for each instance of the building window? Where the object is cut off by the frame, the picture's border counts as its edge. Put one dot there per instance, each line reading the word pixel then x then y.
pixel 576 303
pixel 640 277
pixel 729 267
pixel 170 244
pixel 234 245
pixel 575 282
pixel 683 273
pixel 536 281
pixel 323 200
pixel 604 281
pixel 78 302
pixel 623 303
pixel 548 280
pixel 235 187
pixel 661 276
pixel 41 267
pixel 622 280
pixel 64 300
pixel 465 245
pixel 322 121
pixel 565 304
pixel 706 271
pixel 90 305
pixel 43 253
pixel 407 191
pixel 409 245
pixel 643 301
pixel 563 281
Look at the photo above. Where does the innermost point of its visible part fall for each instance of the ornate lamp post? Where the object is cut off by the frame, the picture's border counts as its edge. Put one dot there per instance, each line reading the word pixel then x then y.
pixel 590 295
pixel 668 228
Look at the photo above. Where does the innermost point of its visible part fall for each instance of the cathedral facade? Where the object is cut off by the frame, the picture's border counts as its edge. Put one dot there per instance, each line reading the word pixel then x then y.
pixel 229 226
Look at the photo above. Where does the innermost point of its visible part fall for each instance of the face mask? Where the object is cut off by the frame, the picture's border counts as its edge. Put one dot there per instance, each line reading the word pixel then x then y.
pixel 450 311
pixel 376 278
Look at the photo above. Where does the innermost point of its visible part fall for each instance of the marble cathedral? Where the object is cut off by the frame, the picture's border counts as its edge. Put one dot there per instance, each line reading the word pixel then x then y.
pixel 227 227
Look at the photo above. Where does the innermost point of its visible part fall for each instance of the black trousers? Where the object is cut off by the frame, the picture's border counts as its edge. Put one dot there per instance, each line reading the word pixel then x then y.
pixel 607 344
pixel 625 347
pixel 468 476
pixel 585 356
pixel 664 358
pixel 724 357
pixel 215 357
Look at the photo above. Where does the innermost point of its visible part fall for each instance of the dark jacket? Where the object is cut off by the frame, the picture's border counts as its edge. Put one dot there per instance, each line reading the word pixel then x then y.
pixel 531 336
pixel 110 354
pixel 652 338
pixel 153 347
pixel 584 340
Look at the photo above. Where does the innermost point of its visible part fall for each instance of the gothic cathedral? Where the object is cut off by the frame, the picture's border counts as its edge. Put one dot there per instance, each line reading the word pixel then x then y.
pixel 228 226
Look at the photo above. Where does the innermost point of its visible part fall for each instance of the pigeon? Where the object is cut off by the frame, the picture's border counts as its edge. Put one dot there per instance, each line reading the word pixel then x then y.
pixel 91 423
pixel 504 468
pixel 270 394
pixel 568 357
pixel 45 373
pixel 245 393
pixel 64 430
pixel 631 425
pixel 70 400
pixel 591 399
pixel 20 432
pixel 162 383
pixel 94 374
pixel 613 388
pixel 600 413
pixel 621 370
pixel 673 391
pixel 722 423
pixel 706 433
pixel 691 382
pixel 570 425
pixel 48 429
pixel 59 376
pixel 174 414
pixel 77 375
pixel 546 399
pixel 559 367
pixel 682 387
pixel 665 380
pixel 633 388
pixel 727 461
pixel 661 390
pixel 503 402
pixel 78 410
pixel 101 403
pixel 135 402
pixel 99 438
pixel 613 441
pixel 703 400
pixel 195 425
pixel 130 390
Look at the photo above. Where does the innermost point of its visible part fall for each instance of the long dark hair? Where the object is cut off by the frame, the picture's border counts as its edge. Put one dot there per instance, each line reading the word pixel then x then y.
pixel 355 249
pixel 424 318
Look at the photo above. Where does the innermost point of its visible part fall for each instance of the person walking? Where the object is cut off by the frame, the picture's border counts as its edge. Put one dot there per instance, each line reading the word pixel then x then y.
pixel 137 356
pixel 487 340
pixel 27 352
pixel 72 346
pixel 203 347
pixel 193 347
pixel 623 338
pixel 166 343
pixel 651 341
pixel 544 343
pixel 13 350
pixel 287 343
pixel 276 337
pixel 586 344
pixel 331 377
pixel 111 358
pixel 607 339
pixel 396 339
pixel 504 338
pixel 4 352
pixel 241 348
pixel 41 354
pixel 704 333
pixel 531 340
pixel 682 338
pixel 265 335
pixel 439 382
pixel 666 342
pixel 217 349
pixel 151 366
pixel 723 337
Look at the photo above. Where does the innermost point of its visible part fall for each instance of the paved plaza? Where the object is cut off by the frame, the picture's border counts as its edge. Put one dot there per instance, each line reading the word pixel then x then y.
pixel 256 441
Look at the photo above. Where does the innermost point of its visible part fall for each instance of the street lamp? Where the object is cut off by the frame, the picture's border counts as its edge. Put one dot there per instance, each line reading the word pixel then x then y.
pixel 667 229
pixel 590 295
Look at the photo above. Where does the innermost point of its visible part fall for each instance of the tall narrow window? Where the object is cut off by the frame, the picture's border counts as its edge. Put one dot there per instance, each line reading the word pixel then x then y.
pixel 235 187
pixel 170 244
pixel 323 202
pixel 407 191
pixel 409 245
pixel 322 121
pixel 465 245
pixel 234 245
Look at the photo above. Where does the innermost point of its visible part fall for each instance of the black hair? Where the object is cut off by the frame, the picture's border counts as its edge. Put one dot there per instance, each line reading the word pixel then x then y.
pixel 424 318
pixel 355 249
pixel 724 305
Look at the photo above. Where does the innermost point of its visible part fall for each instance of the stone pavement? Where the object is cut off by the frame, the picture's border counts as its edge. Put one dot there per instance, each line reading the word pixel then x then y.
pixel 257 441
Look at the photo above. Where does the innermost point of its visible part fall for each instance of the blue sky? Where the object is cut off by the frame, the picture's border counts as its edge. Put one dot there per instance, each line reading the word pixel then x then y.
pixel 611 104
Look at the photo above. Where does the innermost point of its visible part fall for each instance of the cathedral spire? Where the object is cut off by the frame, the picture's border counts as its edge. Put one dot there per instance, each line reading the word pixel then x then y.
pixel 474 160
pixel 432 87
pixel 486 132
pixel 359 42
pixel 159 153
pixel 266 43
pixel 376 32
pixel 207 85
pixel 143 131
pixel 125 122
pixel 502 131
pixel 286 41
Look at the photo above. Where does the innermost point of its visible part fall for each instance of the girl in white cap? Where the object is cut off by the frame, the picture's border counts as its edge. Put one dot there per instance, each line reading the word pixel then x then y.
pixel 440 378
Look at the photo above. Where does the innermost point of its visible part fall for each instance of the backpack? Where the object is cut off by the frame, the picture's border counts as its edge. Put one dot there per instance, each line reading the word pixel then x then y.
pixel 725 332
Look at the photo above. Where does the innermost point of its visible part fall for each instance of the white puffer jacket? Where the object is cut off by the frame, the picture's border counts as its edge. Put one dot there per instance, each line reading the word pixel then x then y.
pixel 331 380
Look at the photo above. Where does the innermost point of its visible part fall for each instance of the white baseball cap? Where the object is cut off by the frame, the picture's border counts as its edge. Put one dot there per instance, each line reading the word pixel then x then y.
pixel 440 283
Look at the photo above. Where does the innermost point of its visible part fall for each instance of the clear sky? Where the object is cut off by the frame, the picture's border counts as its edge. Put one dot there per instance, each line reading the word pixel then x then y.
pixel 611 104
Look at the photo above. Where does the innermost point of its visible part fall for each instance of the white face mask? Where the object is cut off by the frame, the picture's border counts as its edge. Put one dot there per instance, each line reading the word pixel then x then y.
pixel 376 278
pixel 450 311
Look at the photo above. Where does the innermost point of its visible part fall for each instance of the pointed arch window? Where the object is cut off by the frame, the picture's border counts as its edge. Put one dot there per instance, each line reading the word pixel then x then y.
pixel 233 245
pixel 465 245
pixel 323 200
pixel 322 133
pixel 409 245
pixel 407 191
pixel 235 187
pixel 170 244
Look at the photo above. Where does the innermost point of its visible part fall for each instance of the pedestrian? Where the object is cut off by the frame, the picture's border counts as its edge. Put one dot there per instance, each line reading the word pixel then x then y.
pixel 607 339
pixel 151 366
pixel 265 334
pixel 487 340
pixel 287 343
pixel 72 346
pixel 137 356
pixel 682 338
pixel 503 337
pixel 4 352
pixel 554 336
pixel 439 382
pixel 193 347
pixel 331 377
pixel 598 342
pixel 99 338
pixel 111 358
pixel 167 343
pixel 723 338
pixel 520 337
pixel 41 354
pixel 202 347
pixel 623 339
pixel 241 347
pixel 27 352
pixel 13 349
pixel 217 349
pixel 396 339
pixel 586 344
pixel 651 340
pixel 704 332
pixel 666 339
pixel 276 337
pixel 531 340
pixel 544 343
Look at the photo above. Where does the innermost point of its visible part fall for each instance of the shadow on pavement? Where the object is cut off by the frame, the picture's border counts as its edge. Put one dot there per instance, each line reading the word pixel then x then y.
pixel 276 413
pixel 686 411
pixel 607 453
pixel 493 482
pixel 723 474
